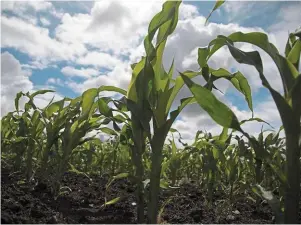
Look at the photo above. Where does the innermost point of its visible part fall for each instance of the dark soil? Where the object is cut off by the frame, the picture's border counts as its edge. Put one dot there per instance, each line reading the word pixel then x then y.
pixel 28 203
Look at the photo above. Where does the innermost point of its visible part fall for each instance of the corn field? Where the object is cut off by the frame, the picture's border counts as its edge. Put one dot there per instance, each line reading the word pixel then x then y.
pixel 46 144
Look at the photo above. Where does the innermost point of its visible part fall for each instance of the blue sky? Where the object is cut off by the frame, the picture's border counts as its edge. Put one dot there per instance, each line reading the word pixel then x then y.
pixel 72 46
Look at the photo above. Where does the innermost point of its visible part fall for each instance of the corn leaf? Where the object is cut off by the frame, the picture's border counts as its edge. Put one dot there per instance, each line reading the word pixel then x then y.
pixel 287 71
pixel 113 201
pixel 217 110
pixel 218 4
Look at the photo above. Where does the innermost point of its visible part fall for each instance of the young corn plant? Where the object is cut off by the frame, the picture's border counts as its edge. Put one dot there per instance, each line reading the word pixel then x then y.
pixel 32 127
pixel 13 138
pixel 150 96
pixel 78 122
pixel 54 117
pixel 174 159
pixel 287 104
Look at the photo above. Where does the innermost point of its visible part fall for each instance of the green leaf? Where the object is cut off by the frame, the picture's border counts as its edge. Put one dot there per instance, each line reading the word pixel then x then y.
pixel 272 201
pixel 218 4
pixel 253 58
pixel 88 98
pixel 159 113
pixel 17 99
pixel 132 93
pixel 40 92
pixel 288 47
pixel 202 56
pixel 255 119
pixel 54 107
pixel 108 131
pixel 239 82
pixel 120 119
pixel 287 71
pixel 116 177
pixel 167 15
pixel 121 175
pixel 217 110
pixel 113 201
pixel 224 135
pixel 294 54
pixel 242 85
pixel 281 176
pixel 173 146
pixel 173 130
pixel 104 108
pixel 295 94
pixel 112 88
pixel 163 184
pixel 177 87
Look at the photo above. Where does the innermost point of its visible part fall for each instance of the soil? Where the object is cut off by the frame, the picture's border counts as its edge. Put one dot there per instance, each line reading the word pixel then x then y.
pixel 28 203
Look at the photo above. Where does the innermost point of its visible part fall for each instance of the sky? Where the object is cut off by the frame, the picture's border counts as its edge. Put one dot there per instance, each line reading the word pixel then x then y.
pixel 72 46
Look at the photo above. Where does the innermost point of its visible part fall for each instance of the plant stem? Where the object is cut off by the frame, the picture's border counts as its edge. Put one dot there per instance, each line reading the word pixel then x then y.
pixel 292 190
pixel 156 158
pixel 30 149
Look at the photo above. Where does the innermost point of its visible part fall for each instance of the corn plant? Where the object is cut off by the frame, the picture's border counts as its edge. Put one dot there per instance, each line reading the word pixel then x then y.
pixel 150 97
pixel 288 105
pixel 30 128
pixel 174 157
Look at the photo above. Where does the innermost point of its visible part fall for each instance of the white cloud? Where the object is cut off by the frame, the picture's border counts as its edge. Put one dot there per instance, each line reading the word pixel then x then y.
pixel 188 11
pixel 56 81
pixel 290 18
pixel 20 7
pixel 26 10
pixel 13 80
pixel 82 72
pixel 117 33
pixel 289 21
pixel 120 77
pixel 99 59
pixel 238 9
pixel 45 21
pixel 37 64
pixel 36 41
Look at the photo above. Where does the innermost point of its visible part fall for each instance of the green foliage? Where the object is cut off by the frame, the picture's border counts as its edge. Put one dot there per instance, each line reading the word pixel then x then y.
pixel 63 136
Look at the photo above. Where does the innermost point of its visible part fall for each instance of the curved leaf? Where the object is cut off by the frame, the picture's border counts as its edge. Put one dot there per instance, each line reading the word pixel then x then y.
pixel 287 71
pixel 217 110
pixel 218 4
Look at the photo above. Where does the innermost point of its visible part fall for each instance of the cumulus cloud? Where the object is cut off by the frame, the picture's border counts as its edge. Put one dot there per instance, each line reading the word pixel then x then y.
pixel 120 77
pixel 289 21
pixel 21 7
pixel 36 41
pixel 99 60
pixel 45 21
pixel 82 72
pixel 55 81
pixel 14 79
pixel 27 10
pixel 117 33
